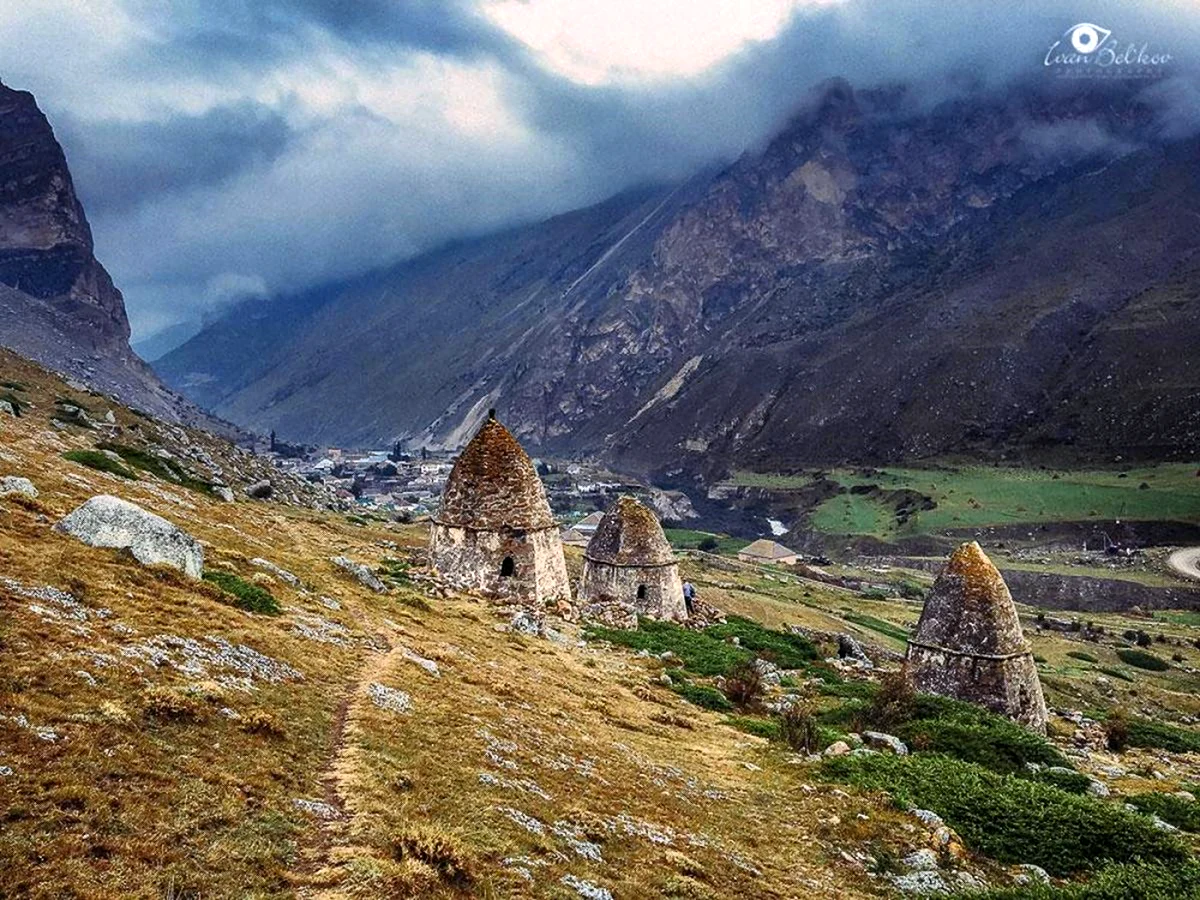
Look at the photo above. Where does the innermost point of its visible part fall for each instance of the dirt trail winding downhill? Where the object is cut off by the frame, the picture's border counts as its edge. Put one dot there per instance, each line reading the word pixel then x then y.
pixel 1186 562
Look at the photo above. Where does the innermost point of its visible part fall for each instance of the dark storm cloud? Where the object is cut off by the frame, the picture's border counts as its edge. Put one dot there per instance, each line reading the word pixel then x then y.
pixel 214 34
pixel 121 165
pixel 287 143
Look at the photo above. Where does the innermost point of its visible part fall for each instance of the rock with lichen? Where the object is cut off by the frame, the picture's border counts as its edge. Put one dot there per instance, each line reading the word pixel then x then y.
pixel 968 644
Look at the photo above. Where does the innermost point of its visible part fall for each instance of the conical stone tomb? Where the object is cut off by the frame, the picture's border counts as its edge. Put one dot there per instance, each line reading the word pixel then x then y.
pixel 969 645
pixel 629 569
pixel 495 534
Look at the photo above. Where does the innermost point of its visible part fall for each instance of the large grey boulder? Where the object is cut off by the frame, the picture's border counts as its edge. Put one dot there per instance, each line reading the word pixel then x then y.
pixel 13 484
pixel 106 521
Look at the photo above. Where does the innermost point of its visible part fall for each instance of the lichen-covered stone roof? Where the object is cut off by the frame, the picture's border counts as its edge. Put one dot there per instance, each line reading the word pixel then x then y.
pixel 629 535
pixel 970 609
pixel 494 485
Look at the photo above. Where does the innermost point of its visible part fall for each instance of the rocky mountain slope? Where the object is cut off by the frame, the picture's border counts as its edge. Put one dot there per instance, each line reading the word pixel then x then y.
pixel 997 273
pixel 58 305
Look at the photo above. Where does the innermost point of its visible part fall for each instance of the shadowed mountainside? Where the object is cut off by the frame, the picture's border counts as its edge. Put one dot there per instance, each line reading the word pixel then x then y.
pixel 1000 273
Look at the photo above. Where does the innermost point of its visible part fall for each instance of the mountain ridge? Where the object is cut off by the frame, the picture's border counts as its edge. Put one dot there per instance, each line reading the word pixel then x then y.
pixel 725 320
pixel 58 304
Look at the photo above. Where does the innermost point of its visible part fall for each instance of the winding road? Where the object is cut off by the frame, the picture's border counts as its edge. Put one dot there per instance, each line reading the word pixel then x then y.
pixel 1186 562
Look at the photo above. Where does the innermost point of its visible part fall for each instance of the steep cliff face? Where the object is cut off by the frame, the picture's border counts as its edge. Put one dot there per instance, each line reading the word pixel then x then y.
pixel 884 280
pixel 58 305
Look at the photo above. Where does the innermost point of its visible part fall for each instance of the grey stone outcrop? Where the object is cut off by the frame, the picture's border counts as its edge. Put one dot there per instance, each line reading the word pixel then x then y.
pixel 13 484
pixel 106 521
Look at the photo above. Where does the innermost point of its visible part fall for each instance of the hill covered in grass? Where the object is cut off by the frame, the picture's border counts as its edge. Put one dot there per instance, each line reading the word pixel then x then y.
pixel 280 729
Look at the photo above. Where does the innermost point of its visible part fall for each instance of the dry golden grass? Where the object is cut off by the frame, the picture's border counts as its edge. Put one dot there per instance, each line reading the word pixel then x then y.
pixel 521 763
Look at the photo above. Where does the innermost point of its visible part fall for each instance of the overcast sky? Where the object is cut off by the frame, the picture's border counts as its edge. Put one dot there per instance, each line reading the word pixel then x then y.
pixel 225 148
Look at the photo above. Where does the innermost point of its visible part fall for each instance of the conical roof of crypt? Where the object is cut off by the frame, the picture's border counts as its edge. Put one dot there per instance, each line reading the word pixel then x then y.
pixel 970 609
pixel 494 485
pixel 630 535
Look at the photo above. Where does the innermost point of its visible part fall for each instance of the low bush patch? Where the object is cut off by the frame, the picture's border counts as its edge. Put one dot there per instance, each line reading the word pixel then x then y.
pixel 702 695
pixel 1177 811
pixel 699 651
pixel 788 651
pixel 1013 819
pixel 101 462
pixel 1131 881
pixel 1084 657
pixel 1142 660
pixel 246 596
pixel 1148 733
pixel 166 469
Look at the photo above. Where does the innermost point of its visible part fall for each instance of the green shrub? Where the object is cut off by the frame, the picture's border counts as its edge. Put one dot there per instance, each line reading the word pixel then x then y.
pixel 1116 673
pixel 1148 733
pixel 699 651
pixel 1081 655
pixel 744 684
pixel 911 590
pixel 879 625
pixel 246 596
pixel 710 544
pixel 1132 881
pixel 1177 811
pixel 1142 660
pixel 94 459
pixel 788 651
pixel 166 469
pixel 798 728
pixel 764 728
pixel 1070 781
pixel 850 690
pixel 709 652
pixel 876 594
pixel 703 695
pixel 1012 819
pixel 996 744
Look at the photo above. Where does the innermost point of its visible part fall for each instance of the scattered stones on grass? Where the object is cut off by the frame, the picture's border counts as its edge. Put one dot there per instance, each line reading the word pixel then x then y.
pixel 364 575
pixel 326 812
pixel 280 573
pixel 260 490
pixel 107 521
pixel 929 818
pixel 13 484
pixel 571 836
pixel 235 665
pixel 330 603
pixel 920 883
pixel 586 889
pixel 427 664
pixel 320 630
pixel 882 741
pixel 6 772
pixel 1028 873
pixel 524 785
pixel 529 823
pixel 388 698
pixel 923 860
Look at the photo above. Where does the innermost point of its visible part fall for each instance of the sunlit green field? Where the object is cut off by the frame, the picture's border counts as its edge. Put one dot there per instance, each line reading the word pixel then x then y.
pixel 973 496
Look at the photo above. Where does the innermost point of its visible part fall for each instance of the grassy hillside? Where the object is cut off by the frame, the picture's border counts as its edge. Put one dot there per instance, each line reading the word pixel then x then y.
pixel 973 496
pixel 160 738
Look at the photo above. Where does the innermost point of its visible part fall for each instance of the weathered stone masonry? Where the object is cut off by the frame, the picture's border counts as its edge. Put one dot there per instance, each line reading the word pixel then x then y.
pixel 629 569
pixel 495 534
pixel 969 645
